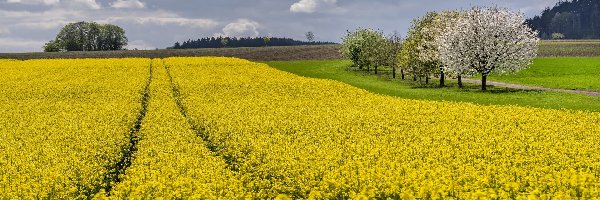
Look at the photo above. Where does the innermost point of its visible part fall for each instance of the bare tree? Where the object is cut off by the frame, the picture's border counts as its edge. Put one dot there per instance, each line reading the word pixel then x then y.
pixel 310 36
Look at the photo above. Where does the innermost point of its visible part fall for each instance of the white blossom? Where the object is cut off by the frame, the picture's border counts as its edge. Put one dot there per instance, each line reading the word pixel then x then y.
pixel 487 40
pixel 363 47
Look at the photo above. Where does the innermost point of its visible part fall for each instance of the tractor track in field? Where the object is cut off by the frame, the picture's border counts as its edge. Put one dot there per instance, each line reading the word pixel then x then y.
pixel 182 108
pixel 200 131
pixel 525 87
pixel 113 177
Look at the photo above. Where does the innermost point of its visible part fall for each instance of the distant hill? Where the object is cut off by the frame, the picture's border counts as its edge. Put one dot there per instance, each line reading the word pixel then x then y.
pixel 217 42
pixel 577 19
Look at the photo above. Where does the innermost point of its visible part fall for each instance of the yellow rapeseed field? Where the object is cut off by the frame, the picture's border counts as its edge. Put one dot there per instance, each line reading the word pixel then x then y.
pixel 310 138
pixel 227 128
pixel 63 123
pixel 172 162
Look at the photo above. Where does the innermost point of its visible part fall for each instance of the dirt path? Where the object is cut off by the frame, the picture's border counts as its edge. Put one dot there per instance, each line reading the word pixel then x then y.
pixel 524 87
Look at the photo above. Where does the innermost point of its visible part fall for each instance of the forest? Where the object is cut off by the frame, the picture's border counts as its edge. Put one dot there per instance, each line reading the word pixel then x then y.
pixel 217 42
pixel 577 19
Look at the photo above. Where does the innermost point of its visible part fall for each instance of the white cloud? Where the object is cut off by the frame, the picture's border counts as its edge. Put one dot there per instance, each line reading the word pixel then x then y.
pixel 311 6
pixel 160 24
pixel 158 17
pixel 158 20
pixel 142 26
pixel 4 31
pixel 35 2
pixel 219 35
pixel 128 4
pixel 242 28
pixel 20 45
pixel 91 4
pixel 43 24
pixel 37 20
pixel 15 14
pixel 56 18
pixel 140 45
pixel 78 4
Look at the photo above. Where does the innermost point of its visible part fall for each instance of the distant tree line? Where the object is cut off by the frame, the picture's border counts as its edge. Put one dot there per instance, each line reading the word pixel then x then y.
pixel 88 36
pixel 217 42
pixel 577 19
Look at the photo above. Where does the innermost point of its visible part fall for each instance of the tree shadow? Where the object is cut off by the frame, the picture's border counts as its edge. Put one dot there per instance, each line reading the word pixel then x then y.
pixel 503 90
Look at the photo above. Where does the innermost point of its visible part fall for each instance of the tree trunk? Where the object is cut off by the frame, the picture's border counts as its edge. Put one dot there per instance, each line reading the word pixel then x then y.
pixel 402 72
pixel 483 82
pixel 375 69
pixel 394 72
pixel 360 67
pixel 414 77
pixel 442 79
pixel 427 80
pixel 460 85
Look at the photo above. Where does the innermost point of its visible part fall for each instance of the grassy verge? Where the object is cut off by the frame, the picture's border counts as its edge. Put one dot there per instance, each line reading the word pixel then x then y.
pixel 560 72
pixel 383 84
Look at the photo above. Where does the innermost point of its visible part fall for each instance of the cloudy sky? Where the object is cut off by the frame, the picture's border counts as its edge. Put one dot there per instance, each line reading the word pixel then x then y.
pixel 25 25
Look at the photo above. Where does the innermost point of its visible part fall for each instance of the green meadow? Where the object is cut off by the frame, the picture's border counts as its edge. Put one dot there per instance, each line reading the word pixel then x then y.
pixel 384 84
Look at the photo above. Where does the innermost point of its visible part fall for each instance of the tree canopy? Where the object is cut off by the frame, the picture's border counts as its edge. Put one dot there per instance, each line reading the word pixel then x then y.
pixel 488 40
pixel 416 52
pixel 483 40
pixel 363 47
pixel 88 36
pixel 577 19
pixel 216 42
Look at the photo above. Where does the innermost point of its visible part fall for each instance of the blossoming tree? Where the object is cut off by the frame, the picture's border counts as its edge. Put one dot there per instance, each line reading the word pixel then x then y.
pixel 413 47
pixel 362 47
pixel 436 24
pixel 488 40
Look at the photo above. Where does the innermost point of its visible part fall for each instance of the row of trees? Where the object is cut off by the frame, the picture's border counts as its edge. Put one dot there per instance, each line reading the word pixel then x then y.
pixel 449 43
pixel 217 42
pixel 88 36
